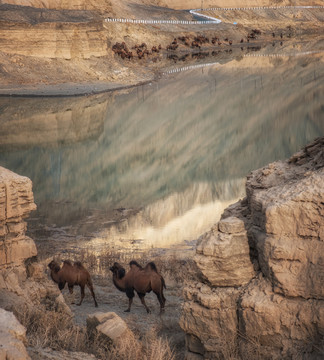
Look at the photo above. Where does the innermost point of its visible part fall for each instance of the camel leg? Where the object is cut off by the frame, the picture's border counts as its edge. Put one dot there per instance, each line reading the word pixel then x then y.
pixel 71 292
pixel 82 295
pixel 93 294
pixel 61 285
pixel 130 294
pixel 161 299
pixel 141 296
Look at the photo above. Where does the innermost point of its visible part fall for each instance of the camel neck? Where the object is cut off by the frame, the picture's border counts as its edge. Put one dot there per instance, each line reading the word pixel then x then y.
pixel 119 283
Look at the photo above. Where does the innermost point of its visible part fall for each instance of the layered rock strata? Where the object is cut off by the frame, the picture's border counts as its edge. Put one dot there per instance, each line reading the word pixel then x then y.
pixel 16 202
pixel 23 282
pixel 261 267
pixel 54 40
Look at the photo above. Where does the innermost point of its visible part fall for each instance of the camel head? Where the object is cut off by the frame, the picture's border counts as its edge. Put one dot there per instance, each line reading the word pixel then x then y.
pixel 54 266
pixel 118 270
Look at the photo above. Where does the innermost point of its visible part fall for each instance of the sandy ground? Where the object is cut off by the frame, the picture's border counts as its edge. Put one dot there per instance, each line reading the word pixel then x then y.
pixel 72 242
pixel 112 300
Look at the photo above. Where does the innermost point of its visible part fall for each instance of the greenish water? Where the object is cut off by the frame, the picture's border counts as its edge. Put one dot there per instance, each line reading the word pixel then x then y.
pixel 179 149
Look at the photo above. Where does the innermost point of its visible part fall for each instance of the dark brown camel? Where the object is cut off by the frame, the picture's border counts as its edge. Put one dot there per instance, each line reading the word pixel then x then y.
pixel 72 274
pixel 141 280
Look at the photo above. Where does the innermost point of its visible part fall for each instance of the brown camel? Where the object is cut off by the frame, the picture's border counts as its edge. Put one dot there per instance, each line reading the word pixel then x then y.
pixel 72 274
pixel 141 280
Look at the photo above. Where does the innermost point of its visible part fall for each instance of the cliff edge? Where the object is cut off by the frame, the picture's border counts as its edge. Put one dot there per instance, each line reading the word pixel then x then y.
pixel 261 291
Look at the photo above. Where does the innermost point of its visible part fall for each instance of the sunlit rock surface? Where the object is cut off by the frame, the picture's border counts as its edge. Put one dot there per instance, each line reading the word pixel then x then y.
pixel 223 254
pixel 109 325
pixel 279 309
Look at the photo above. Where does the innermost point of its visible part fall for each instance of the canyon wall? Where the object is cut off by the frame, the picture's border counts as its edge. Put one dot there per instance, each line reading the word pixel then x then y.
pixel 261 291
pixel 54 40
pixel 61 4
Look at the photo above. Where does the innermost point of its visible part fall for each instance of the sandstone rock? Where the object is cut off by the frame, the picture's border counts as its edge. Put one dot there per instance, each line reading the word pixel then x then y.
pixel 36 271
pixel 231 225
pixel 279 314
pixel 209 316
pixel 287 325
pixel 12 337
pixel 224 258
pixel 286 202
pixel 50 40
pixel 17 250
pixel 109 325
pixel 295 267
pixel 16 202
pixel 16 196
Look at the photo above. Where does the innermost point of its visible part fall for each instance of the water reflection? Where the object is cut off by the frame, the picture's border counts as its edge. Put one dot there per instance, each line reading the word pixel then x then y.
pixel 179 149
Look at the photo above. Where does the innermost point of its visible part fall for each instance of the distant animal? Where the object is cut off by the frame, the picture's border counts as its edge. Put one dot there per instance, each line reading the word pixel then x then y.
pixel 72 274
pixel 139 279
pixel 172 46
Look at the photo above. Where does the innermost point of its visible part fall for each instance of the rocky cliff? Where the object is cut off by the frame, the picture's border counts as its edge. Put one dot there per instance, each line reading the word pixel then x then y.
pixel 261 268
pixel 16 202
pixel 23 283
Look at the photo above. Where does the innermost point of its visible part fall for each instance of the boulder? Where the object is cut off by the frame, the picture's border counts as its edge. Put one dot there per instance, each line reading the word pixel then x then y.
pixel 223 256
pixel 110 326
pixel 12 337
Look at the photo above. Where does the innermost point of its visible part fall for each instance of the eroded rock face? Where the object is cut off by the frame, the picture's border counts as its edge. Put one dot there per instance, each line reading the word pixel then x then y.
pixel 23 282
pixel 225 249
pixel 16 202
pixel 287 212
pixel 12 337
pixel 262 268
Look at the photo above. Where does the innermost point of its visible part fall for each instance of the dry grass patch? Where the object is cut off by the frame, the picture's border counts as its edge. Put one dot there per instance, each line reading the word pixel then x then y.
pixel 48 328
pixel 56 330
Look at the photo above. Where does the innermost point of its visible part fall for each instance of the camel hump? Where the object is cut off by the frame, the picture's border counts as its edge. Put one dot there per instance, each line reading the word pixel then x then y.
pixel 151 265
pixel 133 262
pixel 67 262
pixel 79 265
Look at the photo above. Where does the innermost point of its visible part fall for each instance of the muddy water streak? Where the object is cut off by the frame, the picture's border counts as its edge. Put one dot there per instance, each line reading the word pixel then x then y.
pixel 168 157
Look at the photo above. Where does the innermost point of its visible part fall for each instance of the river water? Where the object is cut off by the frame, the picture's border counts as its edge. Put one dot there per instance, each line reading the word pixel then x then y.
pixel 156 165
